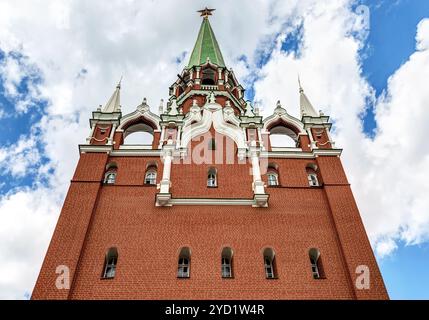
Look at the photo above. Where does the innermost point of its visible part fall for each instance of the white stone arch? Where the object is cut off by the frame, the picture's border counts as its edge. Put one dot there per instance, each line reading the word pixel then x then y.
pixel 292 127
pixel 144 114
pixel 287 120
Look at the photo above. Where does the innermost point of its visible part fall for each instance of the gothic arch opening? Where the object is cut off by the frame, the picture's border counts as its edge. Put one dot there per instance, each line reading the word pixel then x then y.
pixel 139 134
pixel 208 76
pixel 283 137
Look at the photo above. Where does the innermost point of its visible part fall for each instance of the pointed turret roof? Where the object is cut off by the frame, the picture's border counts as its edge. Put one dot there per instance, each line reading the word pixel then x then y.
pixel 305 106
pixel 206 45
pixel 113 105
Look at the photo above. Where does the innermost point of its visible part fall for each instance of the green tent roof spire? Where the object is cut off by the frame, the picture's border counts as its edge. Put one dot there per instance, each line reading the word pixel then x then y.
pixel 206 45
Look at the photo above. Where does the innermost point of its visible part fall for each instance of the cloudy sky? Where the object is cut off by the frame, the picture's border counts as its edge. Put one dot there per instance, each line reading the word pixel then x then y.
pixel 364 63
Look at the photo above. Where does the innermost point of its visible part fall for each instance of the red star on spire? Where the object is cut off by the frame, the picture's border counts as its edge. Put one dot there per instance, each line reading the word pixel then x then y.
pixel 206 12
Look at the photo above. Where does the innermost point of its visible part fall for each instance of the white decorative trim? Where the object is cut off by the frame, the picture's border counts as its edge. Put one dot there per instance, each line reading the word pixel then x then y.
pixel 285 149
pixel 300 154
pixel 135 153
pixel 212 202
pixel 212 114
pixel 287 118
pixel 135 147
pixel 290 154
pixel 85 148
pixel 140 112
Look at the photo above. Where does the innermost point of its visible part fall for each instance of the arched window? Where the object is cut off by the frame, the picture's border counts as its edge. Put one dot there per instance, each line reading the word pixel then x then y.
pixel 283 137
pixel 273 179
pixel 273 175
pixel 184 263
pixel 110 175
pixel 212 178
pixel 316 264
pixel 139 134
pixel 269 263
pixel 208 77
pixel 150 176
pixel 311 170
pixel 110 263
pixel 226 260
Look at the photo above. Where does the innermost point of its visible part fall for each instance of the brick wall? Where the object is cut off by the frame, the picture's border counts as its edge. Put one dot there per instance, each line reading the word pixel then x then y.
pixel 149 238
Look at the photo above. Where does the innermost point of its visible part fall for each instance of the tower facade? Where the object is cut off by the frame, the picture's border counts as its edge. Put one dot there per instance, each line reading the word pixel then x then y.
pixel 211 208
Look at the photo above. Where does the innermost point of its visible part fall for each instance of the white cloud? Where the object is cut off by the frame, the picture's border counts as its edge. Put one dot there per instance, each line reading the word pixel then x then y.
pixel 136 40
pixel 20 158
pixel 422 37
pixel 141 40
pixel 389 173
pixel 27 221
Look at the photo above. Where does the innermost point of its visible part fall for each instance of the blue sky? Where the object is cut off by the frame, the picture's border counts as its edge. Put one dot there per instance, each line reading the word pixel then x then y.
pixel 49 88
pixel 390 43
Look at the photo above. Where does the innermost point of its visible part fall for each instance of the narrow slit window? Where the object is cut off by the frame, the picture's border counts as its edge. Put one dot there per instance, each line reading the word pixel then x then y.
pixel 226 263
pixel 316 264
pixel 212 178
pixel 111 261
pixel 269 263
pixel 183 269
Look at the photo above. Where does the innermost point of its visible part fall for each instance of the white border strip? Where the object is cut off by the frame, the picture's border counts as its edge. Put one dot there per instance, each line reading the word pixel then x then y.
pixel 212 202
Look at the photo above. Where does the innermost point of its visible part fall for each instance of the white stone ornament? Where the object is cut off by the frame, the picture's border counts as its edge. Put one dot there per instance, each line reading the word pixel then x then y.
pixel 173 107
pixel 249 111
pixel 143 107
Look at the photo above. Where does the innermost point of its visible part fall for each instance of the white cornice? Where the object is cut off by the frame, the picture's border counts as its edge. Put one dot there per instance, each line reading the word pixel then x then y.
pixel 135 153
pixel 293 153
pixel 86 148
pixel 211 202
pixel 296 154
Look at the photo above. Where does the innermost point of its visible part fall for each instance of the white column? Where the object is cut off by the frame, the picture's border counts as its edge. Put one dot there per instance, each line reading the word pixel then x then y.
pixel 161 137
pixel 258 184
pixel 260 198
pixel 110 141
pixel 313 144
pixel 168 159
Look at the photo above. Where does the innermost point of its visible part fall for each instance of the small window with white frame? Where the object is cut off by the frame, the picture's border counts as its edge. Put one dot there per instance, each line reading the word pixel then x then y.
pixel 269 263
pixel 110 263
pixel 212 178
pixel 316 264
pixel 110 178
pixel 312 180
pixel 184 263
pixel 110 175
pixel 273 175
pixel 273 179
pixel 150 176
pixel 226 263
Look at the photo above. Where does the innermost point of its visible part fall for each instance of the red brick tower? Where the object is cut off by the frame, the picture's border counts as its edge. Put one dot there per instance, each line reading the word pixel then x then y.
pixel 212 208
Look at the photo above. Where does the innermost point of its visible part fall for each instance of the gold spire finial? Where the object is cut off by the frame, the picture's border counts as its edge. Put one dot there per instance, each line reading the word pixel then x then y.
pixel 206 12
